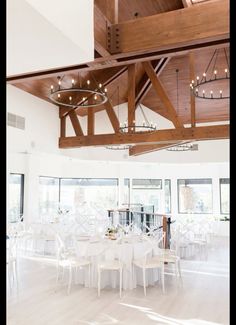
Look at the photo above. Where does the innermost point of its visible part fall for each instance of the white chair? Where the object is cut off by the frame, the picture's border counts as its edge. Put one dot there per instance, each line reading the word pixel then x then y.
pixel 66 259
pixel 11 261
pixel 111 261
pixel 148 261
pixel 169 255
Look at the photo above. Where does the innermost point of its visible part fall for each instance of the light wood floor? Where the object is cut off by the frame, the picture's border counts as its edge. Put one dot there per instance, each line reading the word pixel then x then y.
pixel 203 299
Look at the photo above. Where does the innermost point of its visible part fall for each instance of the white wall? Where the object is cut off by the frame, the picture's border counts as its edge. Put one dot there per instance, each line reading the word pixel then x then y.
pixel 41 123
pixel 48 34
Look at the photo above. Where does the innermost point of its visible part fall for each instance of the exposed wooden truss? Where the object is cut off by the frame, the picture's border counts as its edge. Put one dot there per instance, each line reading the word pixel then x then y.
pixel 158 36
pixel 150 49
pixel 158 137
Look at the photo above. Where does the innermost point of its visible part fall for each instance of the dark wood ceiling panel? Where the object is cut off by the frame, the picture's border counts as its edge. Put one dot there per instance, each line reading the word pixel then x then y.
pixel 128 8
pixel 205 109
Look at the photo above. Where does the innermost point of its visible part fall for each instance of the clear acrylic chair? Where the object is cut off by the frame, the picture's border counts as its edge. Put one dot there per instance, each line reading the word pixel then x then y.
pixel 110 261
pixel 67 260
pixel 150 261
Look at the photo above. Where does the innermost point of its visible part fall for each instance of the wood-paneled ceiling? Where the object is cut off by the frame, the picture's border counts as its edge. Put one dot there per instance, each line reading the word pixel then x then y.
pixel 114 75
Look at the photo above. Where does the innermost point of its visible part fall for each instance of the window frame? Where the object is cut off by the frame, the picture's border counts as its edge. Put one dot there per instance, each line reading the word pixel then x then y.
pixel 168 179
pixel 22 192
pixel 223 213
pixel 178 196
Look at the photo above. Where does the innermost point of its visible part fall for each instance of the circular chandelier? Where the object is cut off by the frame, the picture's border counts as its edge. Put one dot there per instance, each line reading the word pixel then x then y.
pixel 78 96
pixel 212 77
pixel 145 126
pixel 183 147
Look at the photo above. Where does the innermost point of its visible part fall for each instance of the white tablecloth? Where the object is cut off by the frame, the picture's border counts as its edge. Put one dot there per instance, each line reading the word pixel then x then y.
pixel 133 249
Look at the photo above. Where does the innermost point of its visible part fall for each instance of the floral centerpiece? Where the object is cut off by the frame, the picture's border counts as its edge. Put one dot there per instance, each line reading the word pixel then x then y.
pixel 111 232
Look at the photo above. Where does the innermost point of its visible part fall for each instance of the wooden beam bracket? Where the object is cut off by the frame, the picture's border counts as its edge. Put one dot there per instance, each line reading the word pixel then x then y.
pixel 113 41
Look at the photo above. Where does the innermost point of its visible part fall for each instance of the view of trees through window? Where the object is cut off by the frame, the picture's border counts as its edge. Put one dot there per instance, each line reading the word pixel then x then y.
pixel 48 195
pixel 147 192
pixel 89 195
pixel 224 195
pixel 195 195
pixel 97 195
pixel 15 197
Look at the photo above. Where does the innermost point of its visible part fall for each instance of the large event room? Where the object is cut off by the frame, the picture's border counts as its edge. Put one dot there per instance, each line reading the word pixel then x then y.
pixel 117 162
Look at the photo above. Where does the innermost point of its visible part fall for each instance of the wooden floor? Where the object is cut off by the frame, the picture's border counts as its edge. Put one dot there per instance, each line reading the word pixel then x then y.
pixel 203 299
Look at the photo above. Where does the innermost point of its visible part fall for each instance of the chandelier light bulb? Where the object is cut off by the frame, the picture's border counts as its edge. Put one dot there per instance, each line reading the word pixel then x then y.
pixel 73 82
pixel 70 98
pixel 88 82
pixel 193 82
pixel 59 95
pixel 100 85
pixel 59 82
pixel 203 93
pixel 84 98
pixel 220 93
pixel 211 93
pixel 204 75
pixel 105 90
pixel 95 97
pixel 197 79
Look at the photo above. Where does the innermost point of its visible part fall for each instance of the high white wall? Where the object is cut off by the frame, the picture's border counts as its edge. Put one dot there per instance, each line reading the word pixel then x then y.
pixel 48 34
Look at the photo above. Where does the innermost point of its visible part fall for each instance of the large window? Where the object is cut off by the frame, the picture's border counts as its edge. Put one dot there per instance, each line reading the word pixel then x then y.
pixel 224 195
pixel 126 191
pixel 195 195
pixel 48 196
pixel 147 192
pixel 89 195
pixel 16 197
pixel 167 196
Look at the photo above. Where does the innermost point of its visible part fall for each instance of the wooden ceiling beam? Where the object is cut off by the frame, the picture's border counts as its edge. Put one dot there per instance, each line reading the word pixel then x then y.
pixel 62 124
pixel 112 116
pixel 75 123
pixel 142 149
pixel 90 121
pixel 192 97
pixel 131 94
pixel 145 84
pixel 201 23
pixel 162 94
pixel 122 59
pixel 156 36
pixel 159 137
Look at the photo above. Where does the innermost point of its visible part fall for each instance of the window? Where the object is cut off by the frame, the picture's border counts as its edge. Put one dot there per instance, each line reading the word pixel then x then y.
pixel 16 197
pixel 89 195
pixel 195 195
pixel 126 200
pixel 147 192
pixel 167 196
pixel 48 196
pixel 224 195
